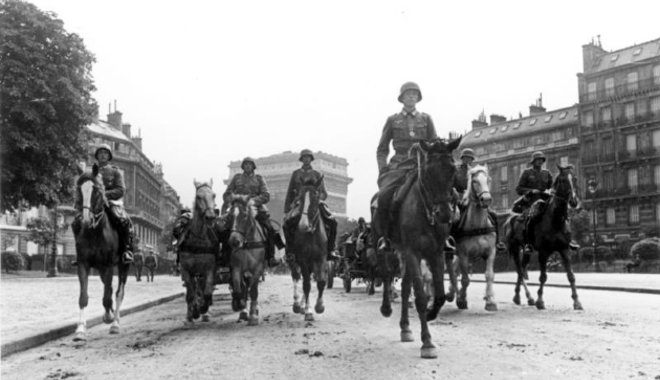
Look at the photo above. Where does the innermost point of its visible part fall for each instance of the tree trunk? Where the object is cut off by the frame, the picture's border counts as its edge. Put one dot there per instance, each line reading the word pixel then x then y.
pixel 52 271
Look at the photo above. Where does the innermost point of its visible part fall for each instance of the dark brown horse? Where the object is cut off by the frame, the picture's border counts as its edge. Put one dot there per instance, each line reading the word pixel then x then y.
pixel 138 264
pixel 310 247
pixel 97 246
pixel 200 243
pixel 548 233
pixel 421 230
pixel 248 243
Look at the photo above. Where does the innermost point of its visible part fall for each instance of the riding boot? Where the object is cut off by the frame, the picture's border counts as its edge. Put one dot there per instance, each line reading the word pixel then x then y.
pixel 331 226
pixel 127 255
pixel 499 246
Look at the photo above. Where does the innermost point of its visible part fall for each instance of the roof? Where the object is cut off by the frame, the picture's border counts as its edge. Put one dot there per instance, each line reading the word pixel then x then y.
pixel 103 128
pixel 625 56
pixel 523 126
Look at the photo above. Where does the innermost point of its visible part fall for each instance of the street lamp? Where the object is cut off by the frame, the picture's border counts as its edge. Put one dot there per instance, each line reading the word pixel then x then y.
pixel 592 186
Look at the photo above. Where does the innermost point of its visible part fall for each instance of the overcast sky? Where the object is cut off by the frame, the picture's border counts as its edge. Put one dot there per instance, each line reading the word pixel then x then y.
pixel 208 82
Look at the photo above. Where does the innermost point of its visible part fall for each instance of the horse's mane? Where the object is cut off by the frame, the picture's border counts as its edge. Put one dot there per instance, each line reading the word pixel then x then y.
pixel 473 170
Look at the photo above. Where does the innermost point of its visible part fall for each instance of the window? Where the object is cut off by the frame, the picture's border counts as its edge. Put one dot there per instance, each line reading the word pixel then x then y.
pixel 607 147
pixel 629 111
pixel 548 118
pixel 589 118
pixel 591 91
pixel 631 143
pixel 632 179
pixel 633 214
pixel 519 124
pixel 656 175
pixel 609 87
pixel 504 128
pixel 608 180
pixel 657 212
pixel 614 57
pixel 637 51
pixel 562 115
pixel 532 122
pixel 656 75
pixel 559 135
pixel 610 216
pixel 504 172
pixel 606 114
pixel 655 105
pixel 656 138
pixel 632 81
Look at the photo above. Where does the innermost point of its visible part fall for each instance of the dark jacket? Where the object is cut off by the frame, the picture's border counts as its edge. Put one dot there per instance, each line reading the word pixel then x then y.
pixel 403 130
pixel 113 181
pixel 532 179
pixel 252 185
pixel 298 178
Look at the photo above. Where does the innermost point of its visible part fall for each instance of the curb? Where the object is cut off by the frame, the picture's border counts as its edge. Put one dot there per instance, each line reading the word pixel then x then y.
pixel 586 287
pixel 68 329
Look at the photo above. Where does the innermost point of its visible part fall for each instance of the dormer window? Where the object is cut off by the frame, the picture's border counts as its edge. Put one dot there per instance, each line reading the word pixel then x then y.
pixel 548 118
pixel 493 130
pixel 477 134
pixel 504 128
pixel 637 51
pixel 614 57
pixel 532 122
pixel 562 115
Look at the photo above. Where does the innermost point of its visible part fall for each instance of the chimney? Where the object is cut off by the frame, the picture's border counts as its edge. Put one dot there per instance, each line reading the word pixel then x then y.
pixel 591 53
pixel 126 128
pixel 114 118
pixel 495 119
pixel 476 124
pixel 137 140
pixel 537 108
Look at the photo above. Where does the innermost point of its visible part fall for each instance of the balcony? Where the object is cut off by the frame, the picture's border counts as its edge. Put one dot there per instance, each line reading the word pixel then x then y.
pixel 622 90
pixel 627 154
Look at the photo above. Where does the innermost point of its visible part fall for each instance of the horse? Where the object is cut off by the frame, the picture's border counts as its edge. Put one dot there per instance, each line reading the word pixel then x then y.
pixel 200 243
pixel 97 247
pixel 548 233
pixel 248 255
pixel 151 263
pixel 475 237
pixel 420 233
pixel 138 264
pixel 310 248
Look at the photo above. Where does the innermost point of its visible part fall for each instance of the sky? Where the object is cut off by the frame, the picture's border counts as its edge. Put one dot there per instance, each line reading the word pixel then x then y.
pixel 209 82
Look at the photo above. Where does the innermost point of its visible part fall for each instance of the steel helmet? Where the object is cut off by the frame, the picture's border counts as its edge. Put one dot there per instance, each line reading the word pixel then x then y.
pixel 100 147
pixel 409 86
pixel 306 152
pixel 537 155
pixel 467 152
pixel 248 159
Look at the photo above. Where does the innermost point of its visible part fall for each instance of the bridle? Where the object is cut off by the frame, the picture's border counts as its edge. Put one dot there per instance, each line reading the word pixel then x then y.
pixel 478 195
pixel 435 202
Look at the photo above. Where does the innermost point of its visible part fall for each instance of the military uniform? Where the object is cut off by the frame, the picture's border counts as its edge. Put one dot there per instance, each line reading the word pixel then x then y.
pixel 299 178
pixel 532 179
pixel 402 129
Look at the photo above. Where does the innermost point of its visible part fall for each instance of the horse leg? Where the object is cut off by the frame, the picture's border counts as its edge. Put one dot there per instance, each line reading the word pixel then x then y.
pixel 253 319
pixel 236 288
pixel 307 287
pixel 83 300
pixel 245 290
pixel 490 278
pixel 386 306
pixel 404 322
pixel 122 277
pixel 321 277
pixel 428 348
pixel 106 278
pixel 451 261
pixel 571 278
pixel 208 292
pixel 464 264
pixel 543 263
pixel 437 267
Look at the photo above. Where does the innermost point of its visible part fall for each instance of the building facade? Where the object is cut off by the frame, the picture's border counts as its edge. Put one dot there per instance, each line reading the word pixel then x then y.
pixel 619 94
pixel 277 169
pixel 506 146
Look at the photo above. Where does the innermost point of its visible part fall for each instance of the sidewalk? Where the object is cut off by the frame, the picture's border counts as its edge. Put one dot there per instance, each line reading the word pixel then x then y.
pixel 35 310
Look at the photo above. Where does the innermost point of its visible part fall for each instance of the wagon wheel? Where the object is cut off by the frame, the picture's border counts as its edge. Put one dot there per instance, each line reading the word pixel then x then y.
pixel 347 277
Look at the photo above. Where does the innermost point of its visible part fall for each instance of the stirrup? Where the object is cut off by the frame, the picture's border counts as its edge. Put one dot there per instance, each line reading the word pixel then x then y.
pixel 127 257
pixel 383 244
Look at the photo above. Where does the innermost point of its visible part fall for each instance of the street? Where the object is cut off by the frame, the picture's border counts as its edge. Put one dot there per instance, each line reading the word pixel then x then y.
pixel 616 336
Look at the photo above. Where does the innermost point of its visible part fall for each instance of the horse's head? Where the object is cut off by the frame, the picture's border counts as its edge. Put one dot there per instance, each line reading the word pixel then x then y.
pixel 91 193
pixel 204 200
pixel 243 214
pixel 310 196
pixel 564 185
pixel 438 169
pixel 479 186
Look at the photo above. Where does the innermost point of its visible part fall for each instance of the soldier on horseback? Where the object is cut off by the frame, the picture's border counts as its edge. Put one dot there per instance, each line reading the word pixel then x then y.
pixel 113 181
pixel 460 185
pixel 306 174
pixel 402 129
pixel 253 185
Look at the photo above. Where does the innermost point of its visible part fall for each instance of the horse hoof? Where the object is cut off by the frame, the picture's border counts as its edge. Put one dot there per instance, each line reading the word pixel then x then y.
pixel 540 305
pixel 309 317
pixel 253 320
pixel 205 318
pixel 516 299
pixel 243 316
pixel 531 302
pixel 449 297
pixel 386 311
pixel 462 305
pixel 319 309
pixel 491 306
pixel 429 352
pixel 296 308
pixel 80 337
pixel 114 329
pixel 108 318
pixel 577 306
pixel 407 336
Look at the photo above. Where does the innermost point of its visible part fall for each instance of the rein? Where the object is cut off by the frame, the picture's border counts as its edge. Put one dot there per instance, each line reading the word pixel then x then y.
pixel 249 244
pixel 434 210
pixel 96 218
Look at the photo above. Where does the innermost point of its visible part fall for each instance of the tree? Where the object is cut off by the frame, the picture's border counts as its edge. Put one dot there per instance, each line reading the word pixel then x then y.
pixel 43 231
pixel 580 223
pixel 45 103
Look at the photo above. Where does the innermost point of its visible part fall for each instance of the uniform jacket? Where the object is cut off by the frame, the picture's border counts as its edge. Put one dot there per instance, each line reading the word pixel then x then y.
pixel 252 185
pixel 532 179
pixel 403 129
pixel 298 178
pixel 113 181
